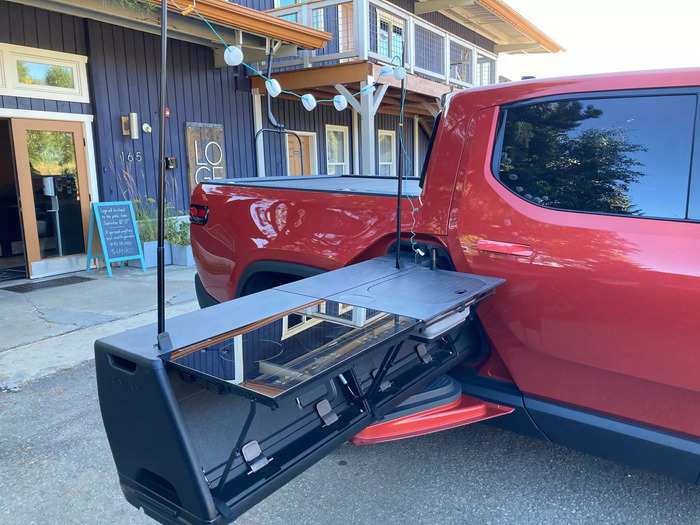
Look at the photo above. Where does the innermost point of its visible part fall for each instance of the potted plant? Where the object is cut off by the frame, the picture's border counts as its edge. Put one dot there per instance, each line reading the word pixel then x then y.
pixel 146 218
pixel 181 247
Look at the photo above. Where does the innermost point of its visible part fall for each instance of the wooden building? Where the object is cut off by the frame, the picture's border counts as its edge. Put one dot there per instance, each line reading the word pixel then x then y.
pixel 79 100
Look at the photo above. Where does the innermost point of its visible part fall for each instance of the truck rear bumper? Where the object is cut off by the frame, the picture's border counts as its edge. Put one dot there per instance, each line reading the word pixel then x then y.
pixel 205 300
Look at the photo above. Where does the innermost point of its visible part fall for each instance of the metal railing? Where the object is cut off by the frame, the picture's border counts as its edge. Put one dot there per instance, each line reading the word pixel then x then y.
pixel 377 30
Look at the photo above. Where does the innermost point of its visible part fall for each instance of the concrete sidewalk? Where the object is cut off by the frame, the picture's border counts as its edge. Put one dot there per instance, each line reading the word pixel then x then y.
pixel 52 329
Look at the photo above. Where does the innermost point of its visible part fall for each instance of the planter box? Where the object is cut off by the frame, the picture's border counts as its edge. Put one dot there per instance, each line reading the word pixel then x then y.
pixel 150 254
pixel 182 255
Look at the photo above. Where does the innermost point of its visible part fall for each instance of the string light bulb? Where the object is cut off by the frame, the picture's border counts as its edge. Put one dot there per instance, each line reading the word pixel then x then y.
pixel 309 102
pixel 386 70
pixel 340 102
pixel 273 88
pixel 399 73
pixel 233 56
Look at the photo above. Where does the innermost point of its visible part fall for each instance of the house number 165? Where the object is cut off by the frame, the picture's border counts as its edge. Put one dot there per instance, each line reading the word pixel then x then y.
pixel 130 157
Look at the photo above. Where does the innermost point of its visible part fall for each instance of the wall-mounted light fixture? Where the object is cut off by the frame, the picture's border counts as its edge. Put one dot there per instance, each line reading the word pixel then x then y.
pixel 130 125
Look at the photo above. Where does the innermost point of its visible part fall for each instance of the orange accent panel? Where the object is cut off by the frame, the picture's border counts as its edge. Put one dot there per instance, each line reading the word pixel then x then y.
pixel 463 411
pixel 239 17
pixel 514 18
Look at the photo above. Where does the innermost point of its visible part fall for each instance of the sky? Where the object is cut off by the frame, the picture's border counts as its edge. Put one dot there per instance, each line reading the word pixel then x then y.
pixel 608 35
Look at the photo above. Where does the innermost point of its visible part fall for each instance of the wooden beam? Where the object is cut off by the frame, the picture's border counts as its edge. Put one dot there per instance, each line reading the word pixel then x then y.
pixel 437 5
pixel 514 48
pixel 414 83
pixel 236 16
pixel 426 127
pixel 431 109
pixel 349 73
pixel 354 103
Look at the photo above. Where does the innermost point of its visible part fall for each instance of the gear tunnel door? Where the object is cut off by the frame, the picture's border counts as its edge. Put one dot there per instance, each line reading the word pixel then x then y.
pixel 241 397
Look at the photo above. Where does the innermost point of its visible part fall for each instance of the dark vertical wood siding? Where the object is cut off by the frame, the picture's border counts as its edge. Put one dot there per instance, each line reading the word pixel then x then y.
pixel 28 26
pixel 125 75
pixel 459 30
pixel 294 117
pixel 260 5
pixel 391 123
pixel 448 25
pixel 423 140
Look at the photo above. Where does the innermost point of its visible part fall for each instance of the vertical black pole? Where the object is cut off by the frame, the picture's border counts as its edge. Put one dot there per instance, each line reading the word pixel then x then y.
pixel 400 177
pixel 161 174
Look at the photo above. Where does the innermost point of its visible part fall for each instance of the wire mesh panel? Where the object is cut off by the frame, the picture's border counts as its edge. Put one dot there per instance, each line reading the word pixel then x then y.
pixel 429 50
pixel 346 27
pixel 338 20
pixel 486 71
pixel 390 34
pixel 373 29
pixel 460 63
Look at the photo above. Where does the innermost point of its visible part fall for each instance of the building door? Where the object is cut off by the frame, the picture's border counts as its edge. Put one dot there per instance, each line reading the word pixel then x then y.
pixel 12 263
pixel 308 143
pixel 52 179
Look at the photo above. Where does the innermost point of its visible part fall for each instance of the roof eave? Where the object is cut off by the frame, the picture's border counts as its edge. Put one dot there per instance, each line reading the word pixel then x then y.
pixel 523 25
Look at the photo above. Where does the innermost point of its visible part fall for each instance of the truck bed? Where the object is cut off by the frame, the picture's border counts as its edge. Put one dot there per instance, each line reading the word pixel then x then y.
pixel 354 184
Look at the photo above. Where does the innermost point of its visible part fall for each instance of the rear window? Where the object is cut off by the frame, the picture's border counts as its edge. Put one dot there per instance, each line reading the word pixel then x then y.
pixel 626 156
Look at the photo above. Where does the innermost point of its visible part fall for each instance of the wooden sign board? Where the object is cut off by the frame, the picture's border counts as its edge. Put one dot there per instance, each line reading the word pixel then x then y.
pixel 206 157
pixel 119 235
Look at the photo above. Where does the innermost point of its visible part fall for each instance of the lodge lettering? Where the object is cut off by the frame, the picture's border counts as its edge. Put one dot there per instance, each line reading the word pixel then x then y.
pixel 209 165
pixel 206 157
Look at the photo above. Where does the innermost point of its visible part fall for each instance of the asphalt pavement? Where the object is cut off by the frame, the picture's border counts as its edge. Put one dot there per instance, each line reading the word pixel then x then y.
pixel 55 467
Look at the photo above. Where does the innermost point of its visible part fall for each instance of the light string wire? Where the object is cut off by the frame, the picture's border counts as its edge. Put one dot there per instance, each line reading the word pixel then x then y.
pixel 404 152
pixel 409 170
pixel 266 78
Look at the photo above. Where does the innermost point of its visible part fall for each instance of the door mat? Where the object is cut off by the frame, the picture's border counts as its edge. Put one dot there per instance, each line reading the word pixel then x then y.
pixel 10 274
pixel 51 283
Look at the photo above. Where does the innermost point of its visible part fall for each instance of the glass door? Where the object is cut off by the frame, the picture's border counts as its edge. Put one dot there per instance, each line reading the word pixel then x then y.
pixel 53 187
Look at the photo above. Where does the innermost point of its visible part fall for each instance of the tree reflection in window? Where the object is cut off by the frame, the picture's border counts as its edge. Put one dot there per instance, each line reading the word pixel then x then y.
pixel 627 156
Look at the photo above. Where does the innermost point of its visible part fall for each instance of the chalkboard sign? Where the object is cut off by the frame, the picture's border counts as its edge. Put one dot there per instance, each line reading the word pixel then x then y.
pixel 119 235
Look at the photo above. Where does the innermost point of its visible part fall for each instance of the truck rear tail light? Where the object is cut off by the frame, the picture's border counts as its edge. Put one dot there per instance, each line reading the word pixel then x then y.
pixel 198 214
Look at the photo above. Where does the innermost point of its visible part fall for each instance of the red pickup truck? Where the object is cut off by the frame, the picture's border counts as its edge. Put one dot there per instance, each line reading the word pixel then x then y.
pixel 582 193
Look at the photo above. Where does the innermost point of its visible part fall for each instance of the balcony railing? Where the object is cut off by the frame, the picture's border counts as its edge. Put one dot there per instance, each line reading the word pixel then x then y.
pixel 376 30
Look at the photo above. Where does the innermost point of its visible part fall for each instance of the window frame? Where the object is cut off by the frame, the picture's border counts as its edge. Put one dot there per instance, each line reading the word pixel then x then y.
pixel 497 147
pixel 346 147
pixel 10 85
pixel 389 133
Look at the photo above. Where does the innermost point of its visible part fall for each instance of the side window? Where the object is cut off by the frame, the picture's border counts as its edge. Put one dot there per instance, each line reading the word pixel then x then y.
pixel 626 156
pixel 694 199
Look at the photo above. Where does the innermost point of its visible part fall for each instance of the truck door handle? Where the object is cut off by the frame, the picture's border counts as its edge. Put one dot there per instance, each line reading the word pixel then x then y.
pixel 508 248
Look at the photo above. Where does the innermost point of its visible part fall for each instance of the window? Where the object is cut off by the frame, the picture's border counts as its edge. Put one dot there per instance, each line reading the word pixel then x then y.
pixel 294 323
pixel 37 73
pixel 460 63
pixel 389 35
pixel 318 19
pixel 485 70
pixel 337 150
pixel 626 156
pixel 387 153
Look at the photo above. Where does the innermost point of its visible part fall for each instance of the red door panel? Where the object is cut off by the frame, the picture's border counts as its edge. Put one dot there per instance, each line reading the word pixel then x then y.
pixel 598 311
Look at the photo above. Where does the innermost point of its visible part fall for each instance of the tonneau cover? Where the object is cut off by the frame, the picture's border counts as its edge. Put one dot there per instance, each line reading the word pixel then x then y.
pixel 356 184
